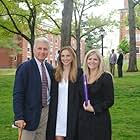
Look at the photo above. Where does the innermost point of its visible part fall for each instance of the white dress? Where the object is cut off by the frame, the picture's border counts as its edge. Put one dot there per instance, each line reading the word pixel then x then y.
pixel 62 109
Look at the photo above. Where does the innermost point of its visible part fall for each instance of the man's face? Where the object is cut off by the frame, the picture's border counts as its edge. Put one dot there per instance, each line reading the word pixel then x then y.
pixel 41 51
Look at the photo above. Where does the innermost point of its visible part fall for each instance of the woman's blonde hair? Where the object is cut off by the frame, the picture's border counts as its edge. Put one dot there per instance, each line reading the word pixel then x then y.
pixel 73 69
pixel 100 67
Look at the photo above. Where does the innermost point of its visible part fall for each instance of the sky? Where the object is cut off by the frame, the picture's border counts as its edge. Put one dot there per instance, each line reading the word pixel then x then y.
pixel 115 4
pixel 111 39
pixel 109 6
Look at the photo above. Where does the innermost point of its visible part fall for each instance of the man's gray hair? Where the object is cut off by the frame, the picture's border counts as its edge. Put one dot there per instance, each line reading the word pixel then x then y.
pixel 42 40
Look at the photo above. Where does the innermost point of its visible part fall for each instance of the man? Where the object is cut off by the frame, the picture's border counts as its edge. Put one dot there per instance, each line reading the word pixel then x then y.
pixel 112 62
pixel 31 93
pixel 120 63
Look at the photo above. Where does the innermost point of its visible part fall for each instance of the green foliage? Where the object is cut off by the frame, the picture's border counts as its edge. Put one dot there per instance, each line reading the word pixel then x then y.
pixel 23 17
pixel 93 38
pixel 8 41
pixel 85 25
pixel 124 46
pixel 137 18
pixel 93 22
pixel 92 41
pixel 137 11
pixel 19 17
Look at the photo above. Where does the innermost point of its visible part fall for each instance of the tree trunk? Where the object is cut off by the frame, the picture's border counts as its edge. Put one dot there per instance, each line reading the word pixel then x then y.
pixel 132 29
pixel 32 47
pixel 66 23
pixel 78 47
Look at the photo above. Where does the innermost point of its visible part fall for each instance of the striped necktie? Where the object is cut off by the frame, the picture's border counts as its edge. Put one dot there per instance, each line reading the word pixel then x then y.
pixel 44 85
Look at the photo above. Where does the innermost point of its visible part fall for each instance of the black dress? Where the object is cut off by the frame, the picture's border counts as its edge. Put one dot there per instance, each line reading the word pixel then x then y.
pixel 73 110
pixel 101 95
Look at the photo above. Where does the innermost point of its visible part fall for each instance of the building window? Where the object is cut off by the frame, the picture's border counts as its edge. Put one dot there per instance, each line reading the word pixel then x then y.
pixel 15 58
pixel 28 48
pixel 51 49
pixel 55 40
pixel 137 49
pixel 138 37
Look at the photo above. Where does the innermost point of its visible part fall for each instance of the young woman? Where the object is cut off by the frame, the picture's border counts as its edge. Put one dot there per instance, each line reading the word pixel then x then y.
pixel 94 117
pixel 63 111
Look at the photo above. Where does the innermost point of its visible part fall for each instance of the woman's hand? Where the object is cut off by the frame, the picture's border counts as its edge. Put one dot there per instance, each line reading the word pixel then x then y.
pixel 88 106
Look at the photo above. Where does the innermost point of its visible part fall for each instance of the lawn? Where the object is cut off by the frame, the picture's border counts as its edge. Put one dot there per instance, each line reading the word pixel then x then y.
pixel 125 112
pixel 6 113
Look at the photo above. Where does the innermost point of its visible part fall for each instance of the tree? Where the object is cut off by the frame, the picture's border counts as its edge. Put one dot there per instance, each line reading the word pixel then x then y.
pixel 124 46
pixel 93 40
pixel 84 24
pixel 66 23
pixel 7 41
pixel 19 17
pixel 132 29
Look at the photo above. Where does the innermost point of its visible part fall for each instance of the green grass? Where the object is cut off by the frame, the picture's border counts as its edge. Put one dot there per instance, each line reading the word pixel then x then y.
pixel 7 71
pixel 6 113
pixel 125 112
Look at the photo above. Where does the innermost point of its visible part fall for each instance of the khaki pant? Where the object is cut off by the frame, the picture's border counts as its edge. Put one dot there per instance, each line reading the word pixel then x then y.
pixel 40 132
pixel 112 69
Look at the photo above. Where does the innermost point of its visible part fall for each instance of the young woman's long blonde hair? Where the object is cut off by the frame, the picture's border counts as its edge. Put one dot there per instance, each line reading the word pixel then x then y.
pixel 101 64
pixel 73 69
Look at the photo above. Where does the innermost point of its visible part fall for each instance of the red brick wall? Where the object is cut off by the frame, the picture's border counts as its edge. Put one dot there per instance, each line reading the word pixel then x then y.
pixel 125 3
pixel 8 57
pixel 55 43
pixel 124 30
pixel 5 60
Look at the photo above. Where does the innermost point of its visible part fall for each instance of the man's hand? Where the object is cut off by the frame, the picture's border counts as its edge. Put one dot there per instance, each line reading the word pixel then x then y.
pixel 20 123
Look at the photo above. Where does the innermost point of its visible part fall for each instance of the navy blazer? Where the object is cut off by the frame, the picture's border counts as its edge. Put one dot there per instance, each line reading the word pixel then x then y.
pixel 27 99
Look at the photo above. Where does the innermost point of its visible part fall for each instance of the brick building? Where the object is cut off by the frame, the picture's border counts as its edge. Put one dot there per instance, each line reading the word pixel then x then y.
pixel 124 30
pixel 5 58
pixel 8 59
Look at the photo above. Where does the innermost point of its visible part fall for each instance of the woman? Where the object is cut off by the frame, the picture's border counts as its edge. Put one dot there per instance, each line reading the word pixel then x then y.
pixel 63 111
pixel 94 117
